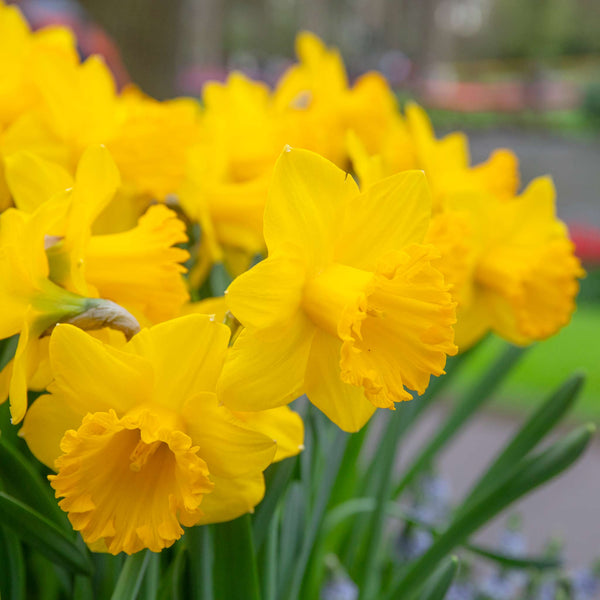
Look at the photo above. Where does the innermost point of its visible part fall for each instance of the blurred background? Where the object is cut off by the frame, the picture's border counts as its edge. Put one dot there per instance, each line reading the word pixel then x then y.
pixel 511 73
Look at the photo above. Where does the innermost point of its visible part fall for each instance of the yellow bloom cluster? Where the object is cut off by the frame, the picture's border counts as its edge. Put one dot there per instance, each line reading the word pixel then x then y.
pixel 156 414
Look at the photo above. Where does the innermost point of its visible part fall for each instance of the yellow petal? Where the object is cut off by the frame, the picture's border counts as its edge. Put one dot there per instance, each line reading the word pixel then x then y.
pixel 269 293
pixel 230 447
pixel 307 199
pixel 187 356
pixel 266 372
pixel 369 169
pixel 389 215
pixel 473 321
pixel 231 498
pixel 216 307
pixel 140 268
pixel 96 181
pixel 346 405
pixel 92 376
pixel 17 390
pixel 499 174
pixel 45 424
pixel 282 425
pixel 33 180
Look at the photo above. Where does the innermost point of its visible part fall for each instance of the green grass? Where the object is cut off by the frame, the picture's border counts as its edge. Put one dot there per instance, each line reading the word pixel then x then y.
pixel 546 365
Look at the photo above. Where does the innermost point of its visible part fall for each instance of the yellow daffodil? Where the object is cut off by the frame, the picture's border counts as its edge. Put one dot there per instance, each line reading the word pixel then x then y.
pixel 139 440
pixel 347 307
pixel 20 50
pixel 411 143
pixel 280 423
pixel 521 272
pixel 80 107
pixel 230 168
pixel 139 268
pixel 446 162
pixel 31 303
pixel 311 95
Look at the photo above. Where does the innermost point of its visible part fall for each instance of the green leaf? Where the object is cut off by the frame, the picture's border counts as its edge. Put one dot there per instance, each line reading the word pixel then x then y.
pixel 270 562
pixel 131 577
pixel 12 581
pixel 43 535
pixel 234 547
pixel 531 433
pixel 83 588
pixel 8 347
pixel 219 279
pixel 439 583
pixel 278 477
pixel 472 401
pixel 514 562
pixel 149 589
pixel 198 540
pixel 107 569
pixel 368 578
pixel 335 455
pixel 530 473
pixel 293 526
pixel 172 581
pixel 25 483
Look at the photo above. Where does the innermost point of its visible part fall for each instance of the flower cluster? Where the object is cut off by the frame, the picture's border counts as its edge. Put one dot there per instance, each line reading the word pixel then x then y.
pixel 378 242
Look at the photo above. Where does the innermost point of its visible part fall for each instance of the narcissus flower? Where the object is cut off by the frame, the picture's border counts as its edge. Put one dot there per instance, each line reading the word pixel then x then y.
pixel 20 51
pixel 519 269
pixel 411 143
pixel 30 302
pixel 80 107
pixel 139 269
pixel 139 440
pixel 347 307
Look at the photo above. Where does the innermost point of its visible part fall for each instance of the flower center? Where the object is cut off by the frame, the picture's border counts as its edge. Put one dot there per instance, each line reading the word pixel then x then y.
pixel 335 290
pixel 141 453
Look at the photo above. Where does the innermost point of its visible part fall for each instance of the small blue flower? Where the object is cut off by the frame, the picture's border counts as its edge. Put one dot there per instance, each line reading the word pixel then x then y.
pixel 461 591
pixel 585 585
pixel 339 589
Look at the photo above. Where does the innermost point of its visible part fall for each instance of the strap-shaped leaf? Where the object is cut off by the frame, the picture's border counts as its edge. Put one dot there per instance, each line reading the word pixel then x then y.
pixel 233 545
pixel 364 505
pixel 198 541
pixel 529 474
pixel 12 581
pixel 42 534
pixel 131 577
pixel 277 477
pixel 24 483
pixel 473 400
pixel 172 582
pixel 336 452
pixel 439 583
pixel 539 424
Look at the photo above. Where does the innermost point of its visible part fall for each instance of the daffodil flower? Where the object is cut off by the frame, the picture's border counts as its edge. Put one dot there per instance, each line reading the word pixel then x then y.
pixel 521 270
pixel 139 440
pixel 347 307
pixel 411 143
pixel 139 268
pixel 32 304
